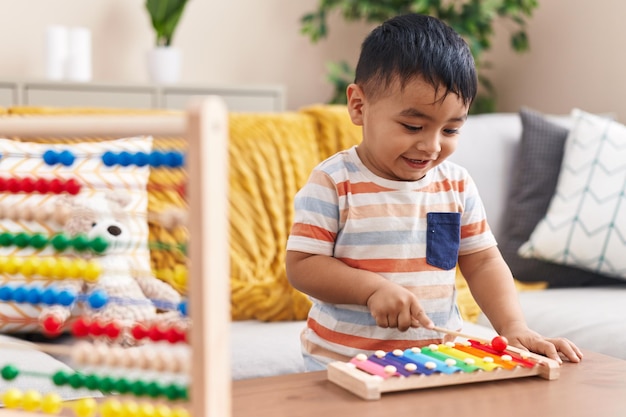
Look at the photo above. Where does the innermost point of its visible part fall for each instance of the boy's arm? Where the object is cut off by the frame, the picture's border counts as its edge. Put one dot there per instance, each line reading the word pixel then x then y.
pixel 330 280
pixel 492 286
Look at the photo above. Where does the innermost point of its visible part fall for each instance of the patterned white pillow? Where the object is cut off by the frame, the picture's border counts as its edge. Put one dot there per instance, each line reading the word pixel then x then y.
pixel 585 225
pixel 24 160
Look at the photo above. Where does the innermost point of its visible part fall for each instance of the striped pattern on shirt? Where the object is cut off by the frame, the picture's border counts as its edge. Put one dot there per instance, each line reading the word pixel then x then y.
pixel 371 223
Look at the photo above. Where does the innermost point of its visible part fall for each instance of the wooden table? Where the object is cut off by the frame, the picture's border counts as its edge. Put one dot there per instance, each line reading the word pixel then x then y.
pixel 594 387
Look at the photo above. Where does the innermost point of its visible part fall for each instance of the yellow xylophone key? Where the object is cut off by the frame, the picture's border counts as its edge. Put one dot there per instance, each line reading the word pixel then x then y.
pixel 483 363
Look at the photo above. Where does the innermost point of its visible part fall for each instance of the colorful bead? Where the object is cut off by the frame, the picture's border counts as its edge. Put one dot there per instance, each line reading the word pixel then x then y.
pixel 86 407
pixel 12 398
pixel 9 372
pixel 499 343
pixel 31 400
pixel 52 403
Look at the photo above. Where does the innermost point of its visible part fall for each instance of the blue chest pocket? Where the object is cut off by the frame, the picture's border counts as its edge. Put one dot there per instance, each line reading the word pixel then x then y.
pixel 443 239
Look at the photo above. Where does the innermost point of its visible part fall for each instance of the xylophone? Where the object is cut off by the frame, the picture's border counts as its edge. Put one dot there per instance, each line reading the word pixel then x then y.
pixel 207 373
pixel 453 363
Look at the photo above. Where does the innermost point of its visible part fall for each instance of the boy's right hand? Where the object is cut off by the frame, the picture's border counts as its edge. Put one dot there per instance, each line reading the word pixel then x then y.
pixel 393 306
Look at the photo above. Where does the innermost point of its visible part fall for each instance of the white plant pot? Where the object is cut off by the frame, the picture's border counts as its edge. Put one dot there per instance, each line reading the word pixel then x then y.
pixel 164 64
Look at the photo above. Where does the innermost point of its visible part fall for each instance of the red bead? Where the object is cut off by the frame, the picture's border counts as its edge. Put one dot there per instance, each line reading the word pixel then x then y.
pixel 28 185
pixel 41 185
pixel 112 330
pixel 96 328
pixel 139 332
pixel 80 328
pixel 156 334
pixel 72 186
pixel 51 326
pixel 14 185
pixel 56 186
pixel 3 184
pixel 172 335
pixel 499 343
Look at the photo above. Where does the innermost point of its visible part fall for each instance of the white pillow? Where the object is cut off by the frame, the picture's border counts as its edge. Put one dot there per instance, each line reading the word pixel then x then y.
pixel 585 225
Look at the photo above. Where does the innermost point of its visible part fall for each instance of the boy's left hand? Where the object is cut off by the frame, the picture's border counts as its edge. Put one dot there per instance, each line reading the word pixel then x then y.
pixel 550 347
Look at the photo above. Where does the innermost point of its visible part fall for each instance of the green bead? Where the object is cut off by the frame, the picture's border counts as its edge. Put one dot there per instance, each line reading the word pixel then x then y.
pixel 99 244
pixel 80 242
pixel 6 239
pixel 77 380
pixel 38 241
pixel 107 384
pixel 9 372
pixel 154 389
pixel 183 248
pixel 60 242
pixel 122 386
pixel 92 382
pixel 173 392
pixel 60 378
pixel 138 388
pixel 21 240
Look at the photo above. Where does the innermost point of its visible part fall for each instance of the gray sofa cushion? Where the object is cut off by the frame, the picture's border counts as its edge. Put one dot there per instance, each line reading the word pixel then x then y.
pixel 535 174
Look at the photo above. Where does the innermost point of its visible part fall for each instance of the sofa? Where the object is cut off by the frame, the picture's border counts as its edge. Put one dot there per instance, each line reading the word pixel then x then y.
pixel 271 155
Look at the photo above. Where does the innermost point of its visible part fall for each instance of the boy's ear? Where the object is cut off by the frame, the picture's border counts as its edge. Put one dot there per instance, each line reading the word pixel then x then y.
pixel 356 99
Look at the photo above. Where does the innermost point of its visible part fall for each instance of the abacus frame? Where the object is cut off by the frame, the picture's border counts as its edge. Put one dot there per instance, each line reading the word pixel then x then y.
pixel 205 126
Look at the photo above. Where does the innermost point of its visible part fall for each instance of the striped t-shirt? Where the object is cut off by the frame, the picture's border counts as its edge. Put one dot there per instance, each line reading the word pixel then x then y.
pixel 409 232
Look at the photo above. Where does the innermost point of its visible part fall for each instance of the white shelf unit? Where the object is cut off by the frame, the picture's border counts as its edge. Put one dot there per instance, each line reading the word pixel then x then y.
pixel 254 98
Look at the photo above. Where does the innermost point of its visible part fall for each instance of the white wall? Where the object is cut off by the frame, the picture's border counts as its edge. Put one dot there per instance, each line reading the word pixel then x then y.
pixel 576 56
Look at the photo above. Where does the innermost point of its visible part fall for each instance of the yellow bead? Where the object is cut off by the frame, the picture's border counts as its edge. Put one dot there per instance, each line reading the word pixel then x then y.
pixel 92 272
pixel 46 266
pixel 12 265
pixel 61 268
pixel 31 401
pixel 146 410
pixel 29 266
pixel 161 410
pixel 180 275
pixel 111 408
pixel 130 409
pixel 52 403
pixel 76 268
pixel 86 407
pixel 180 412
pixel 12 398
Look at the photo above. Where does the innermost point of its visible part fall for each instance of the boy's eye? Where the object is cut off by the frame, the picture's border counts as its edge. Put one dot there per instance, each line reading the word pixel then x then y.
pixel 411 128
pixel 451 131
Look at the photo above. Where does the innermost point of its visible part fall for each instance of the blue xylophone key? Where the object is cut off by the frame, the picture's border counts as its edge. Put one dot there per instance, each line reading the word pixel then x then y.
pixel 420 358
pixel 402 361
pixel 384 361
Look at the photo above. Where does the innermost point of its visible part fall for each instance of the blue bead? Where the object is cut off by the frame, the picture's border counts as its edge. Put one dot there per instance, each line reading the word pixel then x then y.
pixel 125 159
pixel 49 296
pixel 174 159
pixel 182 307
pixel 66 158
pixel 6 293
pixel 98 299
pixel 109 158
pixel 141 159
pixel 20 294
pixel 34 295
pixel 66 298
pixel 51 157
pixel 155 159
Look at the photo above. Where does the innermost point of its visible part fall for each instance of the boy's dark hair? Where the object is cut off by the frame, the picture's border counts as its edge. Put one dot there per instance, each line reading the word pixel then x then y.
pixel 413 45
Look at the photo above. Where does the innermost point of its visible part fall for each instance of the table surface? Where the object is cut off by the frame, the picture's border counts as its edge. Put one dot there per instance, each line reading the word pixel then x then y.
pixel 594 387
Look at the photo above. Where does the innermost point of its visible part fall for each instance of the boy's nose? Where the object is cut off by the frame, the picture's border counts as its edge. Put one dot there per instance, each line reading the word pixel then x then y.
pixel 430 144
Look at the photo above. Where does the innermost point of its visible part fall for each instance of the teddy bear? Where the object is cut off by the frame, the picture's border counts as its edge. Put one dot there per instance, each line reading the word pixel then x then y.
pixel 103 215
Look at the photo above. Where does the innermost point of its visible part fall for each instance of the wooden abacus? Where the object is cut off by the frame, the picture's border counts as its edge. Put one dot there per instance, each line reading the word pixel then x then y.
pixel 204 125
pixel 473 360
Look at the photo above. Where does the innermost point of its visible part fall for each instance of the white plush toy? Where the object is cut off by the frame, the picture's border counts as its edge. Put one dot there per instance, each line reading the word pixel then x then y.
pixel 132 289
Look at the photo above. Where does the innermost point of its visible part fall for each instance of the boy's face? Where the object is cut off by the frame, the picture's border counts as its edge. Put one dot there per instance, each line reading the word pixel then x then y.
pixel 406 132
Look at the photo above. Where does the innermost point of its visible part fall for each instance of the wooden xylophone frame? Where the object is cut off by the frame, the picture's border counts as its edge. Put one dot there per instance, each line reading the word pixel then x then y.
pixel 205 126
pixel 370 387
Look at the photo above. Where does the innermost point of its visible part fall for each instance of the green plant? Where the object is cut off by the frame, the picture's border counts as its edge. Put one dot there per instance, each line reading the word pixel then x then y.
pixel 165 15
pixel 473 19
